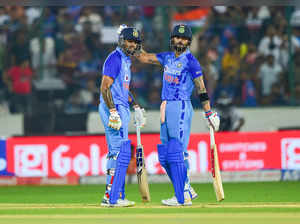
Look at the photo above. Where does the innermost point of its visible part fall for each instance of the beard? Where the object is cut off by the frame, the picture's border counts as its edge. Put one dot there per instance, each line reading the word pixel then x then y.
pixel 178 47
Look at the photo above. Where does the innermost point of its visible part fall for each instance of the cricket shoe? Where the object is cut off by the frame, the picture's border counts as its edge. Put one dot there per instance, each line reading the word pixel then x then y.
pixel 120 203
pixel 173 201
pixel 191 196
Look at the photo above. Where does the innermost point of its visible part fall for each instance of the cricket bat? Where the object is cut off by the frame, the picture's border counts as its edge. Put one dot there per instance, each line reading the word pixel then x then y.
pixel 141 168
pixel 215 169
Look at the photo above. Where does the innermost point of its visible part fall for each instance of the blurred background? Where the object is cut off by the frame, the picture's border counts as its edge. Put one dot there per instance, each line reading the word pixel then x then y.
pixel 51 58
pixel 50 71
pixel 251 54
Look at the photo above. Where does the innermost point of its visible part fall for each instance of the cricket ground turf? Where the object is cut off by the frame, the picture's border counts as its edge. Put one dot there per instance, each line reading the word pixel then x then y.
pixel 251 202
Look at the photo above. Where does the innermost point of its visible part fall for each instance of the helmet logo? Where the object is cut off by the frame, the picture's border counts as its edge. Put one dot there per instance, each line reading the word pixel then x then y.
pixel 135 33
pixel 181 29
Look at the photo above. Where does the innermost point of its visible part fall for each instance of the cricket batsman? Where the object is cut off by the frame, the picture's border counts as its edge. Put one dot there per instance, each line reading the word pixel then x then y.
pixel 182 72
pixel 115 114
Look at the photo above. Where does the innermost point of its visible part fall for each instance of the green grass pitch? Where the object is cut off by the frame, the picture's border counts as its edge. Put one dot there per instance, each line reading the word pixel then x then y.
pixel 263 202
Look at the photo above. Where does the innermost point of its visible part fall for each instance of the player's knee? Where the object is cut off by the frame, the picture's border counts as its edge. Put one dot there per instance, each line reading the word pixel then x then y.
pixel 113 154
pixel 124 156
pixel 175 151
pixel 162 153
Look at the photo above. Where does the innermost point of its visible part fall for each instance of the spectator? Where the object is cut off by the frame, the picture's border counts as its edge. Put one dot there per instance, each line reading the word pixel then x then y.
pixel 216 52
pixel 88 14
pixel 2 58
pixel 270 44
pixel 269 75
pixel 226 85
pixel 4 17
pixel 43 58
pixel 230 118
pixel 211 73
pixel 253 23
pixel 248 90
pixel 284 50
pixel 19 80
pixel 87 69
pixel 49 25
pixel 69 60
pixel 66 68
pixel 20 48
pixel 93 42
pixel 297 76
pixel 232 60
pixel 250 59
pixel 139 80
pixel 16 14
pixel 202 47
pixel 90 95
pixel 75 104
pixel 277 96
pixel 32 14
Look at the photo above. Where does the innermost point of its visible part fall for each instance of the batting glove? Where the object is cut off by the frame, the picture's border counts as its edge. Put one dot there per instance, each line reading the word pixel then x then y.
pixel 212 119
pixel 139 117
pixel 114 120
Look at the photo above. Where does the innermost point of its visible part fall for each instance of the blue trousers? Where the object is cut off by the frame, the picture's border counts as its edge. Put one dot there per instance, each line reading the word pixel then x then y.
pixel 178 120
pixel 114 139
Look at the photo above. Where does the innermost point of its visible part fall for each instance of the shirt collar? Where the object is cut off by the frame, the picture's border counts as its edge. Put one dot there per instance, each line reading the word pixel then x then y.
pixel 187 51
pixel 122 53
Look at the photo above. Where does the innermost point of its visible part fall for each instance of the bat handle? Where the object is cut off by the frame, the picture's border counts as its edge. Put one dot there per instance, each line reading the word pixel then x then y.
pixel 138 135
pixel 212 136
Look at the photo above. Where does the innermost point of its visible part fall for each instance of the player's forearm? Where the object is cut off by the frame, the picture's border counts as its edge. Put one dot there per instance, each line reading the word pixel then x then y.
pixel 147 58
pixel 202 93
pixel 206 105
pixel 107 96
pixel 132 100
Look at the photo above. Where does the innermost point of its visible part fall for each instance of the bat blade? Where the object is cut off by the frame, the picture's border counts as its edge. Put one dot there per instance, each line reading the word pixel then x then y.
pixel 142 174
pixel 215 170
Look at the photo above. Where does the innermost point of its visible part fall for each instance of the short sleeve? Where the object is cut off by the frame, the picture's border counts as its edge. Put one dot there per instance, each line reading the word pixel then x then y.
pixel 194 67
pixel 161 57
pixel 112 65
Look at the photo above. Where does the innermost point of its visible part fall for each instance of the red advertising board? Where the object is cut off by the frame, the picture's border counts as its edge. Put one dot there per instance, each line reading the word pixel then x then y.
pixel 86 155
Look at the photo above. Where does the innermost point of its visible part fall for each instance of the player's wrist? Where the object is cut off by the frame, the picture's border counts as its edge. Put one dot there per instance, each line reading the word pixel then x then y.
pixel 113 110
pixel 208 113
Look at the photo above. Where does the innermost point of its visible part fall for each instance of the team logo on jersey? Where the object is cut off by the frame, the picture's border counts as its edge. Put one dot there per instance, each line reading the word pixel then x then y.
pixel 135 33
pixel 126 77
pixel 172 71
pixel 179 65
pixel 181 29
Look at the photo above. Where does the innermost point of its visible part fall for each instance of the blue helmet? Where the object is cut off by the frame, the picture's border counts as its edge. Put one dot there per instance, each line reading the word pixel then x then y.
pixel 181 31
pixel 130 33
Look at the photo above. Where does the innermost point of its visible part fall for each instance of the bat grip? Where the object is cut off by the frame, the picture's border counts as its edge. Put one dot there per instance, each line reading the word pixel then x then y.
pixel 212 136
pixel 138 135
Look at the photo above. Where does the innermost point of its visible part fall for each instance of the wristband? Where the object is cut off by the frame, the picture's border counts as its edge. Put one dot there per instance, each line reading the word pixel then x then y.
pixel 203 97
pixel 208 113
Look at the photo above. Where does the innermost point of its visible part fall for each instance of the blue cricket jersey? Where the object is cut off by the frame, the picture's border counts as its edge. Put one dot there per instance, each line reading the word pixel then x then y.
pixel 178 75
pixel 117 65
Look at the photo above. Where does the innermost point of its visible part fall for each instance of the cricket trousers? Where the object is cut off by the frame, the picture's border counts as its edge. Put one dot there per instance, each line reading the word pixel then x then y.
pixel 114 140
pixel 176 120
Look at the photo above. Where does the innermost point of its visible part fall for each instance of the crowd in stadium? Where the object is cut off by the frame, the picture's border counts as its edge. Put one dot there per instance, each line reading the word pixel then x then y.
pixel 52 57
